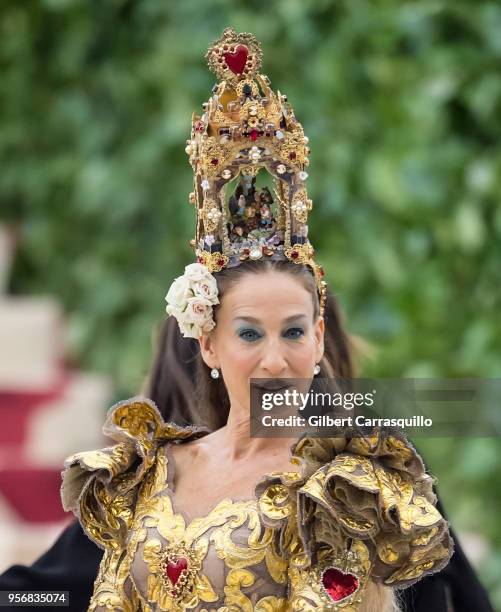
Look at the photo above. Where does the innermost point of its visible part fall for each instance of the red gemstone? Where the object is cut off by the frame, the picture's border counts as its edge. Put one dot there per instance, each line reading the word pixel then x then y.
pixel 253 134
pixel 220 262
pixel 246 251
pixel 338 584
pixel 199 126
pixel 173 570
pixel 292 155
pixel 236 60
pixel 294 254
pixel 214 162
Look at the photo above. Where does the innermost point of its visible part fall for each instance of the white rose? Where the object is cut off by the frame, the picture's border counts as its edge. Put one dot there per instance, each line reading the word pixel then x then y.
pixel 198 311
pixel 196 272
pixel 207 289
pixel 188 330
pixel 190 299
pixel 186 326
pixel 174 311
pixel 179 293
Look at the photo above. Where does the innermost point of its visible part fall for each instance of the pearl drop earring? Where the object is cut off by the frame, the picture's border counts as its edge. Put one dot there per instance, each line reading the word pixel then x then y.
pixel 214 373
pixel 316 370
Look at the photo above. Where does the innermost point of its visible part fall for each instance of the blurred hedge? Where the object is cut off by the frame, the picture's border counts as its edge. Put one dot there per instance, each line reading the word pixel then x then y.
pixel 402 104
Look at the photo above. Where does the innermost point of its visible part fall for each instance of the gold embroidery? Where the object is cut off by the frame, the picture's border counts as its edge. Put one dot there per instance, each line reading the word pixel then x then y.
pixel 372 489
pixel 154 509
pixel 307 589
pixel 425 537
pixel 189 588
pixel 423 562
pixel 109 584
pixel 275 502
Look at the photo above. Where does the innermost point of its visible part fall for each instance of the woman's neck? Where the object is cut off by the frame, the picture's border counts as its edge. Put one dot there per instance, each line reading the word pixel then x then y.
pixel 236 438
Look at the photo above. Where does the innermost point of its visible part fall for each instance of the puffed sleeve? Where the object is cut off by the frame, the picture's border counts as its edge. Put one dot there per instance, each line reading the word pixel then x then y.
pixel 362 511
pixel 101 486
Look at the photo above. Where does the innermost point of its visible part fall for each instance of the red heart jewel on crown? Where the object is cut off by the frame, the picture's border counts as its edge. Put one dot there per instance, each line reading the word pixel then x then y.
pixel 236 60
pixel 173 570
pixel 339 585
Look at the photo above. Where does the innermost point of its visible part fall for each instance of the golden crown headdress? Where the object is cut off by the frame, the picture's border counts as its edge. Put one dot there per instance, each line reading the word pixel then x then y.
pixel 246 127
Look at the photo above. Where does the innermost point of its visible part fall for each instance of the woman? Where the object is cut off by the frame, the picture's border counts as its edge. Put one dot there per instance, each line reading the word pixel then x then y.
pixel 196 489
pixel 171 384
pixel 72 563
pixel 202 516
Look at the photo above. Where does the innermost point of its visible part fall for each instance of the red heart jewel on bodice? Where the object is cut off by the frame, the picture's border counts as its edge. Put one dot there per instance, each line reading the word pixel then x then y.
pixel 236 60
pixel 338 584
pixel 173 570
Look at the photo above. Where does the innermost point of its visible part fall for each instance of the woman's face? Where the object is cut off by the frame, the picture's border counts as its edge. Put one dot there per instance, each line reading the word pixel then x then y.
pixel 264 329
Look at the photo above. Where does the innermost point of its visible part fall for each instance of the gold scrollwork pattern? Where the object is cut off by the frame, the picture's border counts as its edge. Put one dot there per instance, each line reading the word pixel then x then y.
pixel 301 205
pixel 356 510
pixel 395 510
pixel 214 261
pixel 300 254
pixel 310 589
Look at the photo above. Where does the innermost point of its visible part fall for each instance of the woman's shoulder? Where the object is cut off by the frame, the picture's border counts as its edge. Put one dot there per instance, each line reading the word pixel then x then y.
pixel 100 486
pixel 368 495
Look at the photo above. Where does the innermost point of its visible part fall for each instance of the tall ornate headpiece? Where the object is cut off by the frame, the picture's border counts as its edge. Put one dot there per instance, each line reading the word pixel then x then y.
pixel 246 128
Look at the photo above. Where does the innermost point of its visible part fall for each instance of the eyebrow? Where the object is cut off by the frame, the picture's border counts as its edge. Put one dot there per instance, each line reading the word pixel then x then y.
pixel 258 321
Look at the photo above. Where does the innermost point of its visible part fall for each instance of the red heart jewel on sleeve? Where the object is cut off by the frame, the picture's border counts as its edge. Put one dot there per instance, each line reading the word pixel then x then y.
pixel 337 584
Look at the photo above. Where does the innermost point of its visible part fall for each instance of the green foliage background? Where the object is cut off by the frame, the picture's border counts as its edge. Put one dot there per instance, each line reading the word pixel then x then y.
pixel 402 104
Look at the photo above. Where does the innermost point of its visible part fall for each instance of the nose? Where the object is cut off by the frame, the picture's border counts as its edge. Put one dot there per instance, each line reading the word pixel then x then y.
pixel 273 363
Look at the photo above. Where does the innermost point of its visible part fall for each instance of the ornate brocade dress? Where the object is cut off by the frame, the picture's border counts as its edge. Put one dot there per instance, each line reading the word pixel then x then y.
pixel 355 510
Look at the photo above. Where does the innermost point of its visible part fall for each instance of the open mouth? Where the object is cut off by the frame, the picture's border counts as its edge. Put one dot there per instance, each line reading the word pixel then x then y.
pixel 273 385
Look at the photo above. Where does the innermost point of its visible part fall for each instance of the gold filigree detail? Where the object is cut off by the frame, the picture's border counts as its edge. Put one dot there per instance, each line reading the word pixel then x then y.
pixel 300 253
pixel 247 127
pixel 215 261
pixel 250 170
pixel 228 43
pixel 301 205
pixel 211 215
pixel 248 83
pixel 292 148
pixel 252 113
pixel 213 155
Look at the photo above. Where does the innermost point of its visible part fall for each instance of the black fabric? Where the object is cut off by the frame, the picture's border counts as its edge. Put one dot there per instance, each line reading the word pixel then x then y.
pixel 72 563
pixel 455 589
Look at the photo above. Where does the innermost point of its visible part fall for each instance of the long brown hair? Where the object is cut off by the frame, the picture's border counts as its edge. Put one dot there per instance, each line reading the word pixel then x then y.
pixel 180 382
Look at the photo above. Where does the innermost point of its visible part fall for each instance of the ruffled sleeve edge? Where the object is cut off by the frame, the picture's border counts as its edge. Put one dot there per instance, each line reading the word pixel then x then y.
pixel 100 486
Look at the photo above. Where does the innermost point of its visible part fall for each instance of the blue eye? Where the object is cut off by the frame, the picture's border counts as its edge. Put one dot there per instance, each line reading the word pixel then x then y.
pixel 294 333
pixel 249 335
